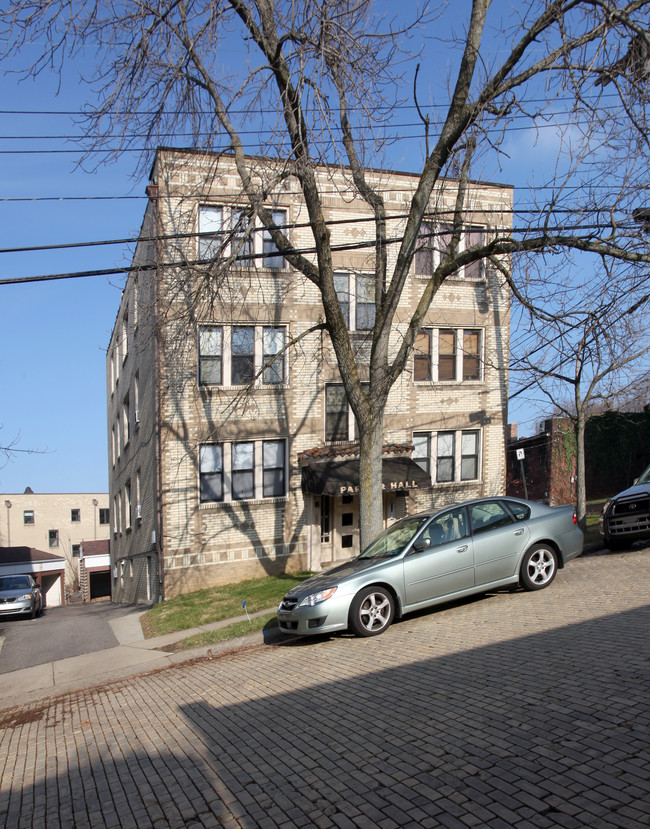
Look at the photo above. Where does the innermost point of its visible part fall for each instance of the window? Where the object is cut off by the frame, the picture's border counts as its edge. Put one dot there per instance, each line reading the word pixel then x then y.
pixel 126 421
pixel 424 259
pixel 240 354
pixel 471 355
pixel 469 456
pixel 422 451
pixel 210 231
pixel 138 497
pixel 243 355
pixel 136 398
pixel 422 357
pixel 211 472
pixel 242 236
pixel 76 550
pixel 104 515
pixel 75 515
pixel 53 538
pixel 475 270
pixel 243 470
pixel 210 355
pixel 272 259
pixel 336 413
pixel 339 418
pixel 28 516
pixel 437 453
pixel 273 342
pixel 433 241
pixel 273 473
pixel 356 295
pixel 450 526
pixel 125 335
pixel 342 288
pixel 113 445
pixel 445 462
pixel 365 296
pixel 488 516
pixel 127 506
pixel 447 355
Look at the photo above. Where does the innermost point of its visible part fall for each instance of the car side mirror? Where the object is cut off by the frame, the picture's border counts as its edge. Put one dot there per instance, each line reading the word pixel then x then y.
pixel 421 544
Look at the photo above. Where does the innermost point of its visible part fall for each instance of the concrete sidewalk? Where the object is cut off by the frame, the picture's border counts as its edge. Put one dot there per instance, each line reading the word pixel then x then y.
pixel 133 655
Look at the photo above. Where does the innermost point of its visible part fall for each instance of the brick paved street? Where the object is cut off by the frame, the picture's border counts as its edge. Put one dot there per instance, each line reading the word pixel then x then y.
pixel 509 711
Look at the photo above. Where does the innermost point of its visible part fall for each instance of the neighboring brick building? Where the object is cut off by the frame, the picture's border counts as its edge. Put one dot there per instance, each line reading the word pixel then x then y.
pixel 210 484
pixel 58 522
pixel 549 463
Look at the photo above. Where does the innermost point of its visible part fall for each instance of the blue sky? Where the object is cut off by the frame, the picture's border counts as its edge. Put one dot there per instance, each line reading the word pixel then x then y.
pixel 53 335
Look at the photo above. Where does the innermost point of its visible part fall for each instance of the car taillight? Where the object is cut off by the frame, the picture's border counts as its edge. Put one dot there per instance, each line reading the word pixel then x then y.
pixel 575 518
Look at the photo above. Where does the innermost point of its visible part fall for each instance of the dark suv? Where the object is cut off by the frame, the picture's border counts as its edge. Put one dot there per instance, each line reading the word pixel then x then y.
pixel 626 516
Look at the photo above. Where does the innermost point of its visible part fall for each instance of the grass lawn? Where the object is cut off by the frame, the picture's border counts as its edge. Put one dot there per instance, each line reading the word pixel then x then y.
pixel 215 604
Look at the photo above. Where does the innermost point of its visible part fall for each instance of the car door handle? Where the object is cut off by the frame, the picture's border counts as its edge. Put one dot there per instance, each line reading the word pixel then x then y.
pixel 519 532
pixel 461 549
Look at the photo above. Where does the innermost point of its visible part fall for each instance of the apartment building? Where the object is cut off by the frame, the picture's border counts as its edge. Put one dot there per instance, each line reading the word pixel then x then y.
pixel 58 524
pixel 232 448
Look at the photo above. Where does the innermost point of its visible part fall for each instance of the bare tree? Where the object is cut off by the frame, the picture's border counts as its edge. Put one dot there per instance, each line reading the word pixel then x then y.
pixel 585 352
pixel 320 82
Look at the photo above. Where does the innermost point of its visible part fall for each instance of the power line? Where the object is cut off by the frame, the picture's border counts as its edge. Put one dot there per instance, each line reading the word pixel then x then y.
pixel 243 258
pixel 300 225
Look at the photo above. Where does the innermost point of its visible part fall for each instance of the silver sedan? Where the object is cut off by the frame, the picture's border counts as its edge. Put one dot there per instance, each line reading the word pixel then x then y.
pixel 435 557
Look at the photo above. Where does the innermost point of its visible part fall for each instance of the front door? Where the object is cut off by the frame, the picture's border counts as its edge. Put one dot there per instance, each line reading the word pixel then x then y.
pixel 345 526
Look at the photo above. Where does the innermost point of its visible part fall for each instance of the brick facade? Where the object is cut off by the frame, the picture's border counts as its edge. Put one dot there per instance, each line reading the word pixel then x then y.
pixel 176 537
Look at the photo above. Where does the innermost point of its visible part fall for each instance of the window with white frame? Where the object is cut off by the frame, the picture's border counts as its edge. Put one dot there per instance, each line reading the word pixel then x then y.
pixel 136 398
pixel 125 335
pixel 339 419
pixel 28 516
pixel 226 229
pixel 356 295
pixel 272 259
pixel 235 355
pixel 433 241
pixel 210 231
pixel 243 470
pixel 127 506
pixel 448 456
pixel 448 355
pixel 242 239
pixel 126 420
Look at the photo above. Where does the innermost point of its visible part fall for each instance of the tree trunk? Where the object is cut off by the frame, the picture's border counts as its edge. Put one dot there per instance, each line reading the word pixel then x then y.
pixel 371 502
pixel 581 487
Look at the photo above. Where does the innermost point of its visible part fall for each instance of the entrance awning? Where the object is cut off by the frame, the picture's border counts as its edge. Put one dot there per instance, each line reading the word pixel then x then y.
pixel 337 477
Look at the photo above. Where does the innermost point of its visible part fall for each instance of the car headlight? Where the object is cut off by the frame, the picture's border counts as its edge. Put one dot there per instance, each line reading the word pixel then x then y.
pixel 23 597
pixel 316 598
pixel 606 506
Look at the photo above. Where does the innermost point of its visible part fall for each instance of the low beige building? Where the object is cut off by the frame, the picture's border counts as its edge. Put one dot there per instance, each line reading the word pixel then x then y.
pixel 227 462
pixel 58 523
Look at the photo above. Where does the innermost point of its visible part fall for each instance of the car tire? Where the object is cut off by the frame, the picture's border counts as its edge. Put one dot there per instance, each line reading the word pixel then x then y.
pixel 539 567
pixel 372 611
pixel 32 614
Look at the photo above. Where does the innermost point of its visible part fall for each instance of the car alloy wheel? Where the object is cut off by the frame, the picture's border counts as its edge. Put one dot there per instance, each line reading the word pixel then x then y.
pixel 539 567
pixel 372 611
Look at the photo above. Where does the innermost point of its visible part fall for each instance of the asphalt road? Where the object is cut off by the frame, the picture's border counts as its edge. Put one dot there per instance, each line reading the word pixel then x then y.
pixel 59 633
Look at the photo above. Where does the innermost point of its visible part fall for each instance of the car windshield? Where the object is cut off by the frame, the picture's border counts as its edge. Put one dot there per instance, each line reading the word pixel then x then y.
pixel 645 477
pixel 14 582
pixel 393 540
